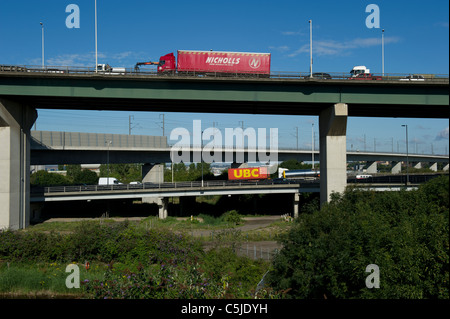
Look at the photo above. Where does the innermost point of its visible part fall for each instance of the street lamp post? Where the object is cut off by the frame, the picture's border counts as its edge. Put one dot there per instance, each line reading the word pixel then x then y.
pixel 312 144
pixel 96 46
pixel 310 49
pixel 201 152
pixel 43 45
pixel 107 162
pixel 407 155
pixel 382 51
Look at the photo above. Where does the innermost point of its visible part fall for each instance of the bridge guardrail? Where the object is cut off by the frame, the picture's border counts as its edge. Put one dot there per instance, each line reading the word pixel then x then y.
pixel 285 75
pixel 148 186
pixel 381 179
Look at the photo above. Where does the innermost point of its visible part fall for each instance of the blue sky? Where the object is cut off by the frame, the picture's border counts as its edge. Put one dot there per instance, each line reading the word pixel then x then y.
pixel 416 41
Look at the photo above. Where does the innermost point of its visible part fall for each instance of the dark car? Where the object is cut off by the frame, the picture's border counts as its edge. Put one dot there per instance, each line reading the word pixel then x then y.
pixel 320 76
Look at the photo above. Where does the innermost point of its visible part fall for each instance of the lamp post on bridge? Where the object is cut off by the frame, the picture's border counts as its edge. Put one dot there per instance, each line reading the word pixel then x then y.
pixel 96 39
pixel 43 45
pixel 382 51
pixel 107 161
pixel 407 155
pixel 310 49
pixel 312 146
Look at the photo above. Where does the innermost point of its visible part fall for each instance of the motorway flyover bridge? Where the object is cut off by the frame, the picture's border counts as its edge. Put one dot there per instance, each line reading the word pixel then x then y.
pixel 21 93
pixel 158 193
pixel 49 147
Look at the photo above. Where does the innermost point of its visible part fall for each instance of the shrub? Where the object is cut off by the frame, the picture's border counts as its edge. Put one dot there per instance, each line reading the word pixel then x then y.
pixel 45 179
pixel 405 233
pixel 221 274
pixel 99 242
pixel 232 217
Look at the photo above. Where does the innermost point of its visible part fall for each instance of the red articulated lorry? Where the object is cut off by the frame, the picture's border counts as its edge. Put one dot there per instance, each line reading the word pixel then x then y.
pixel 213 62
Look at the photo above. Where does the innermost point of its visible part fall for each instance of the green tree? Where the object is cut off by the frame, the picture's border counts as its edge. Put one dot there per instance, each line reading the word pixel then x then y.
pixel 73 170
pixel 181 173
pixel 86 177
pixel 405 233
pixel 294 164
pixel 126 173
pixel 46 179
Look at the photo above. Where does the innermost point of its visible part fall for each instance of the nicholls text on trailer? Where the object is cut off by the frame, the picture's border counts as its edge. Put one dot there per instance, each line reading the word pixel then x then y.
pixel 213 62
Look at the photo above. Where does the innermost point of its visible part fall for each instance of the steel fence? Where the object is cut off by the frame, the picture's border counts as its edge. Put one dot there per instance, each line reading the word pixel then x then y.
pixel 149 186
pixel 282 75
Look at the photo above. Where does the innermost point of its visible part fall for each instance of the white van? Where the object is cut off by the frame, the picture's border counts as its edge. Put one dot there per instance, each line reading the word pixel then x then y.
pixel 363 176
pixel 108 181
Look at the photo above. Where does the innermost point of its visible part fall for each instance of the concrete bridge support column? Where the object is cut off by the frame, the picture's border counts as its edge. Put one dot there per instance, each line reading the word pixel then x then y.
pixel 15 123
pixel 163 203
pixel 396 167
pixel 433 167
pixel 36 211
pixel 333 154
pixel 372 167
pixel 445 169
pixel 417 165
pixel 153 173
pixel 296 204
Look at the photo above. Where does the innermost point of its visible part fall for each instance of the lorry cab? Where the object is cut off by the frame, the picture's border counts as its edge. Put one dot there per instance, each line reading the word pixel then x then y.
pixel 357 71
pixel 167 63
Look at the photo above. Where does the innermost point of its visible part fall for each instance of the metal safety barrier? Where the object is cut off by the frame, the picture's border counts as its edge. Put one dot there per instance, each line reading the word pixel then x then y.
pixel 150 186
pixel 282 75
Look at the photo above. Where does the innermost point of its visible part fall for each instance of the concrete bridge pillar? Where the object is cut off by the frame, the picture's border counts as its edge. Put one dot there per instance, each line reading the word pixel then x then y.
pixel 296 204
pixel 15 123
pixel 445 169
pixel 163 203
pixel 418 165
pixel 153 173
pixel 333 154
pixel 396 167
pixel 372 167
pixel 433 167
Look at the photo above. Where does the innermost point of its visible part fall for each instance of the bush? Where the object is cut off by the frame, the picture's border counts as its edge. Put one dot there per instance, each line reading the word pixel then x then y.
pixel 85 177
pixel 99 242
pixel 232 217
pixel 404 233
pixel 46 179
pixel 141 263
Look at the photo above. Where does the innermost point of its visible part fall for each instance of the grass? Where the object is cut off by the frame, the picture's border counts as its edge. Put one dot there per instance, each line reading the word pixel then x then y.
pixel 35 280
pixel 62 227
pixel 201 222
pixel 41 280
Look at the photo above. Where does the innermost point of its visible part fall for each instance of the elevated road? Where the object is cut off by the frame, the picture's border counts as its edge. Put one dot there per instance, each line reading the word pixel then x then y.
pixel 284 96
pixel 181 189
pixel 161 192
pixel 91 148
